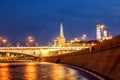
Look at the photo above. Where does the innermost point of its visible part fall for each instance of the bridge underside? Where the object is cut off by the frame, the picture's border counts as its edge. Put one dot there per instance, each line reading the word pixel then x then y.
pixel 15 56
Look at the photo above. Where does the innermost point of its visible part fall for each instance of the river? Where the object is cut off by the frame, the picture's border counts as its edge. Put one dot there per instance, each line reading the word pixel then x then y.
pixel 41 71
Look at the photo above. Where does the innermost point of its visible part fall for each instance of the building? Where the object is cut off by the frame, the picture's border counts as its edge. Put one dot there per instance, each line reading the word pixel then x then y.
pixel 60 41
pixel 102 33
pixel 98 31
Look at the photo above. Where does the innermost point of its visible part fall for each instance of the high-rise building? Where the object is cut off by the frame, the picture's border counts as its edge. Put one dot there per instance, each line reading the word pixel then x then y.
pixel 98 31
pixel 102 33
pixel 105 36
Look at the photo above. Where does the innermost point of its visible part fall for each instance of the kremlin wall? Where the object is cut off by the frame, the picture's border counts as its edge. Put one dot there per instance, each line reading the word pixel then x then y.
pixel 102 59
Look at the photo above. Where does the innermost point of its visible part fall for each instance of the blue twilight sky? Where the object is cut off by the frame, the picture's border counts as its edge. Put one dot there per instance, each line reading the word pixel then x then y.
pixel 41 18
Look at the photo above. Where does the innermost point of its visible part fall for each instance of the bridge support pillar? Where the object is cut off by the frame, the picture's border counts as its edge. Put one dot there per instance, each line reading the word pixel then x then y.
pixel 8 55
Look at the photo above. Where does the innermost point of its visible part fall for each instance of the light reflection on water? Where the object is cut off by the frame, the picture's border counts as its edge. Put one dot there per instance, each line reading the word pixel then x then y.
pixel 30 72
pixel 63 73
pixel 4 73
pixel 37 71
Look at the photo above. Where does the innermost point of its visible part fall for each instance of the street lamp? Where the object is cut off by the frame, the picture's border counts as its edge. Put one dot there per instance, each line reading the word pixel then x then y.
pixel 30 40
pixel 0 40
pixel 4 41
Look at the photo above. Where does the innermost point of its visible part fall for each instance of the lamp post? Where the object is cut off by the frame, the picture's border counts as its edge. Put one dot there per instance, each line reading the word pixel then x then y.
pixel 30 40
pixel 0 40
pixel 4 41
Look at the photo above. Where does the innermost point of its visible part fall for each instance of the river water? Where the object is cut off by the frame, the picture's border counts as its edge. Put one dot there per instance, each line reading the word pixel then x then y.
pixel 41 71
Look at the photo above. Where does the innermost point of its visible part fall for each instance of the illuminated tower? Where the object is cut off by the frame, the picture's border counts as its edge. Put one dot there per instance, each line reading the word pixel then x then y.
pixel 61 39
pixel 98 31
pixel 102 31
pixel 105 36
pixel 61 30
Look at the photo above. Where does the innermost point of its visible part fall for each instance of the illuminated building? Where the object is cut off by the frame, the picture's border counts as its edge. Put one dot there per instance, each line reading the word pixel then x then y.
pixel 60 41
pixel 83 38
pixel 110 36
pixel 105 36
pixel 75 42
pixel 76 39
pixel 98 32
pixel 102 33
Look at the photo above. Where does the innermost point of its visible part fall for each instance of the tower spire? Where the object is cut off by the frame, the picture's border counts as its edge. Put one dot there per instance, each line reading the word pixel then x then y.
pixel 61 39
pixel 61 30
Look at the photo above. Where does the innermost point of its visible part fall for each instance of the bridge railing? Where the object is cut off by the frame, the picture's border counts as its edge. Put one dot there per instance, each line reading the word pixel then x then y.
pixel 41 51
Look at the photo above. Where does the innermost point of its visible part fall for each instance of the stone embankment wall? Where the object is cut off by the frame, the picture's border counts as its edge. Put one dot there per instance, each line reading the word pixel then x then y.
pixel 104 59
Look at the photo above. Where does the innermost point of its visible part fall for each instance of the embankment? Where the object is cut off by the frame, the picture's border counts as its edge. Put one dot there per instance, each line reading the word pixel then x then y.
pixel 104 59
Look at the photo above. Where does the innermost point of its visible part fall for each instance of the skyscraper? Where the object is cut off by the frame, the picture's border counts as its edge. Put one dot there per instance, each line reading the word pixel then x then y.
pixel 102 33
pixel 98 31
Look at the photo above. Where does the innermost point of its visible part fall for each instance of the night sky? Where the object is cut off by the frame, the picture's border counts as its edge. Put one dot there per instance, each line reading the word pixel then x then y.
pixel 41 18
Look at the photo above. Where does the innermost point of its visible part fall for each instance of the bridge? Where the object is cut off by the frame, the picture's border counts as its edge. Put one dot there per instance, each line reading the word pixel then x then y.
pixel 103 59
pixel 40 51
